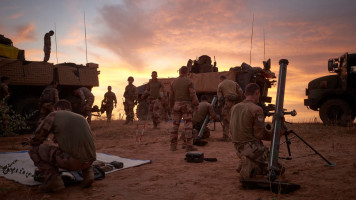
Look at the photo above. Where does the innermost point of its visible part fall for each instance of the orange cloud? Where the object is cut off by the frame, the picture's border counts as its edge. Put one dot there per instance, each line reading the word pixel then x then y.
pixel 25 33
pixel 16 15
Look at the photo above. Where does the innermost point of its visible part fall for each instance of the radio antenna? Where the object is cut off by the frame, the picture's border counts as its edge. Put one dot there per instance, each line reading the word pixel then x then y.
pixel 85 33
pixel 253 19
pixel 264 44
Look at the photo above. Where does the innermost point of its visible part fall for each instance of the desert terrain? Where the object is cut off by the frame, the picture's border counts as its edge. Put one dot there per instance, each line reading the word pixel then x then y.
pixel 169 176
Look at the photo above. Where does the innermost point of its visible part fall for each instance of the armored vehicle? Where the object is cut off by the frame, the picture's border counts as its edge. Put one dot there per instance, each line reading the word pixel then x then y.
pixel 334 96
pixel 206 83
pixel 29 78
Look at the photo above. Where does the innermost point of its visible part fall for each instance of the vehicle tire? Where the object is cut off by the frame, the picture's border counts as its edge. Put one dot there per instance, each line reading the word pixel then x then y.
pixel 336 112
pixel 142 110
pixel 29 107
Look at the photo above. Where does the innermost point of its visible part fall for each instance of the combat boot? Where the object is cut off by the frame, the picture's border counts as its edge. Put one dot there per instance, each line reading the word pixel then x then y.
pixel 88 177
pixel 54 184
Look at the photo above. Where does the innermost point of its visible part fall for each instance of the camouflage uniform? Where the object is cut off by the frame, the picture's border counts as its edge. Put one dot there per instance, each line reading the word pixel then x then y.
pixel 109 99
pixel 75 151
pixel 130 95
pixel 229 93
pixel 248 131
pixel 48 98
pixel 153 90
pixel 47 46
pixel 4 95
pixel 204 109
pixel 182 99
pixel 87 99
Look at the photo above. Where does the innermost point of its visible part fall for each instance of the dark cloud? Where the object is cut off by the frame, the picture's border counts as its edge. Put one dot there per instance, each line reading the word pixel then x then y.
pixel 170 27
pixel 307 34
pixel 129 31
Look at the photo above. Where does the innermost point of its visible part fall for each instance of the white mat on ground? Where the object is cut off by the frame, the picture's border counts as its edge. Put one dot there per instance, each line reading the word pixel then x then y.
pixel 25 163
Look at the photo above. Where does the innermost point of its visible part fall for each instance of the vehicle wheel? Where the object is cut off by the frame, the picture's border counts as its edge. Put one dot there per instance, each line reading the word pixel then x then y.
pixel 142 112
pixel 29 107
pixel 336 112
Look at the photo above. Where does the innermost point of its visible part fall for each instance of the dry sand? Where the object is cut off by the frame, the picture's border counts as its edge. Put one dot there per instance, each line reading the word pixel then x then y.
pixel 170 177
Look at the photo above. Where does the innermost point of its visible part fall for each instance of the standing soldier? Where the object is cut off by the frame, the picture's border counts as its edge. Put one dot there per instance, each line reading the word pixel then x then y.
pixel 109 100
pixel 248 130
pixel 182 98
pixel 153 89
pixel 198 119
pixel 48 98
pixel 130 95
pixel 47 45
pixel 87 100
pixel 229 93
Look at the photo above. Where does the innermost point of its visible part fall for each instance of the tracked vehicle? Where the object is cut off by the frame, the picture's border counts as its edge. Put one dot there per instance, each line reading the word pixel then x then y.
pixel 206 80
pixel 29 78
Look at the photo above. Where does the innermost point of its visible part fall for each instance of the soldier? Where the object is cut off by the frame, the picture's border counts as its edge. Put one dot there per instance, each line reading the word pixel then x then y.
pixel 130 95
pixel 182 98
pixel 109 100
pixel 4 96
pixel 48 98
pixel 198 119
pixel 153 90
pixel 229 93
pixel 75 150
pixel 47 45
pixel 87 100
pixel 248 131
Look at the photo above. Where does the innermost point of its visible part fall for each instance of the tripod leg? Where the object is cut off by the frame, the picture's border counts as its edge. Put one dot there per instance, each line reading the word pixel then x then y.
pixel 328 162
pixel 288 143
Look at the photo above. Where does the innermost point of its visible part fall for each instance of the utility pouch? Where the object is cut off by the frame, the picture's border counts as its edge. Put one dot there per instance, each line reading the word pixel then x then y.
pixel 194 156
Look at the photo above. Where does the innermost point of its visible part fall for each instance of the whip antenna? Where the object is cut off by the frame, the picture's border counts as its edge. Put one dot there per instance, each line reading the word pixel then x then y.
pixel 253 19
pixel 85 33
pixel 264 45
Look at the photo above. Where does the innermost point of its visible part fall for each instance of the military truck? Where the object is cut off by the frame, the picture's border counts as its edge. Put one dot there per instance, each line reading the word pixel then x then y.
pixel 29 78
pixel 334 96
pixel 206 83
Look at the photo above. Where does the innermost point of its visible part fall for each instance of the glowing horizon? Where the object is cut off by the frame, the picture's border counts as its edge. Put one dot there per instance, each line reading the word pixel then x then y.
pixel 133 38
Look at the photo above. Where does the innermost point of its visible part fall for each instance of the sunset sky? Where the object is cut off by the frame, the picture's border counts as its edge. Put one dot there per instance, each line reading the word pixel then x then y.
pixel 135 37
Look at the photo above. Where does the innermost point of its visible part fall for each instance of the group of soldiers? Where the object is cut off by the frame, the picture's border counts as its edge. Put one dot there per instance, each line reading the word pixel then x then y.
pixel 242 121
pixel 50 96
pixel 242 118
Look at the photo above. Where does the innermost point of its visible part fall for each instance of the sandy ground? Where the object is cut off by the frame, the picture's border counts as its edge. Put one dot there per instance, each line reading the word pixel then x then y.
pixel 169 176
